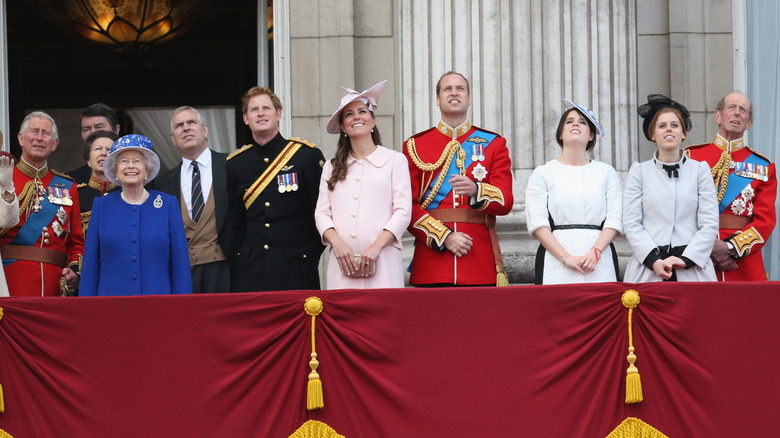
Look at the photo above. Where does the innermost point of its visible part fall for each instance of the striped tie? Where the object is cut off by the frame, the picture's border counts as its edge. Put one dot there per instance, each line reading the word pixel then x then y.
pixel 197 193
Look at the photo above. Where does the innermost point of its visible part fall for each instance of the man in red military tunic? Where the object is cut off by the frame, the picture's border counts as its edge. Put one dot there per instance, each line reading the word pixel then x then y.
pixel 461 179
pixel 41 254
pixel 747 190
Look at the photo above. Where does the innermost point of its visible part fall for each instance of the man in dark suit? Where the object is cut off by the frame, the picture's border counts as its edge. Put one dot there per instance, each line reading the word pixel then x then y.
pixel 96 117
pixel 199 183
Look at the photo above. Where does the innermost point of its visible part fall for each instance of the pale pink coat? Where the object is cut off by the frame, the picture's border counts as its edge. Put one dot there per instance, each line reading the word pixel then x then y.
pixel 375 196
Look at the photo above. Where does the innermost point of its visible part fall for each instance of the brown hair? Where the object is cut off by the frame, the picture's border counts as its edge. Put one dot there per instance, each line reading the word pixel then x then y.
pixel 438 83
pixel 654 120
pixel 559 131
pixel 258 91
pixel 339 162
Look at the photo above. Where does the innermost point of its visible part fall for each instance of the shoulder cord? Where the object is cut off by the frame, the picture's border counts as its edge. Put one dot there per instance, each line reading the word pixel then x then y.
pixel 720 171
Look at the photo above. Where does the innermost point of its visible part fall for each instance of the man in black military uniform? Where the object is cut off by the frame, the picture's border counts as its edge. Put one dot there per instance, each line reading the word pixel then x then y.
pixel 273 185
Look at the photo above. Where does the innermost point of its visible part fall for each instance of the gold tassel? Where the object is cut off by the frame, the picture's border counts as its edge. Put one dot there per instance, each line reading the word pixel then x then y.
pixel 630 300
pixel 314 399
pixel 501 279
pixel 2 400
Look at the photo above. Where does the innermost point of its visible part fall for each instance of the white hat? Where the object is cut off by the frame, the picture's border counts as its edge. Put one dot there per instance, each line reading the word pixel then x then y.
pixel 585 112
pixel 132 142
pixel 370 97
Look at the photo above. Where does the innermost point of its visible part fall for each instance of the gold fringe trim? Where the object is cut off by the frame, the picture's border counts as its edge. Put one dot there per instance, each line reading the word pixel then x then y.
pixel 313 429
pixel 635 428
pixel 630 300
pixel 314 398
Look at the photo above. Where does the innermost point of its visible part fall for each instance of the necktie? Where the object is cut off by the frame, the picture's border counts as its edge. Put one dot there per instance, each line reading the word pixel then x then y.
pixel 197 193
pixel 672 170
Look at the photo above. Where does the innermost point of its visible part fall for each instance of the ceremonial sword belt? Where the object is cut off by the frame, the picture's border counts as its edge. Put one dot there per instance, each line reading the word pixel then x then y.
pixel 33 254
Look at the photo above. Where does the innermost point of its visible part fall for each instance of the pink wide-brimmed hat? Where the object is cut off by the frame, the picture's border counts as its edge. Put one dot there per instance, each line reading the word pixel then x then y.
pixel 370 97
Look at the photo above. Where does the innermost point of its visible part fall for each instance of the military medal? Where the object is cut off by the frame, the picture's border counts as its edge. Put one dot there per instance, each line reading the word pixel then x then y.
pixel 479 172
pixel 158 202
pixel 294 181
pixel 481 153
pixel 57 228
pixel 474 156
pixel 59 195
pixel 287 183
pixel 62 215
pixel 280 183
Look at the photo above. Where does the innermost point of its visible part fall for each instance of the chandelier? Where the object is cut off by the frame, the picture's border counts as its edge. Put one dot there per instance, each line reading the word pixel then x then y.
pixel 125 24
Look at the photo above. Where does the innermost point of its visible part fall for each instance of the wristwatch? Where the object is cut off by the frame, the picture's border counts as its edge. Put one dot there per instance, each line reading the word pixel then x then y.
pixel 732 250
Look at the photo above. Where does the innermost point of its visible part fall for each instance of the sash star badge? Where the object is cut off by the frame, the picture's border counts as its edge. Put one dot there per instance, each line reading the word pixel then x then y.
pixel 479 172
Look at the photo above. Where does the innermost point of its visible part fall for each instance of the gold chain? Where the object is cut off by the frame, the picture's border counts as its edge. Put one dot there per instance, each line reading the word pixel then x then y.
pixel 720 171
pixel 443 162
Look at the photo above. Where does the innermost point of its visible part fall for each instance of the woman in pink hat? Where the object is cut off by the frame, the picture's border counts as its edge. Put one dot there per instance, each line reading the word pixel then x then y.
pixel 365 201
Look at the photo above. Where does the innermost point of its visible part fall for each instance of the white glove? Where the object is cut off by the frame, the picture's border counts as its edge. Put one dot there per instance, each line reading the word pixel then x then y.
pixel 6 174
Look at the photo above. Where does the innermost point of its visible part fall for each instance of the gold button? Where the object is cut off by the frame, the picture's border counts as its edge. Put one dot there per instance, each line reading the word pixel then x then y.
pixel 305 256
pixel 46 241
pixel 265 160
pixel 267 204
pixel 268 225
pixel 265 247
pixel 457 204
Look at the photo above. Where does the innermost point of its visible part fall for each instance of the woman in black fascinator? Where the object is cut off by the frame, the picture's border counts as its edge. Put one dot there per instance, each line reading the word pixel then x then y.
pixel 670 210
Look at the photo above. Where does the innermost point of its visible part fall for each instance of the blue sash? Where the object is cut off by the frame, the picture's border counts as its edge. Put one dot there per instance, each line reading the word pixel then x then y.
pixel 738 183
pixel 30 231
pixel 476 138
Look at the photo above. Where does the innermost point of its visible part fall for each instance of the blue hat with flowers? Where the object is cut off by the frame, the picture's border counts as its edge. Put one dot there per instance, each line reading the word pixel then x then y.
pixel 585 112
pixel 132 142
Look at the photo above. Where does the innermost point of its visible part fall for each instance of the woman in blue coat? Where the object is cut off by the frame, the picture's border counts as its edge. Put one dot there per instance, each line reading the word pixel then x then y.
pixel 136 243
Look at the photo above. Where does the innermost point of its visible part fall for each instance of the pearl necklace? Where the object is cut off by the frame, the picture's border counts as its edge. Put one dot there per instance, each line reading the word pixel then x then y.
pixel 139 202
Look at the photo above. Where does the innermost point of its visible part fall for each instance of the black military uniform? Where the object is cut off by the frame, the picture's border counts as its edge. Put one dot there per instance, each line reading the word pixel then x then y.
pixel 277 240
pixel 88 192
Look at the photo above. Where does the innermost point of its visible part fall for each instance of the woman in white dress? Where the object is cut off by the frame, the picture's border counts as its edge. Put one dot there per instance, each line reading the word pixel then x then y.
pixel 670 209
pixel 573 207
pixel 365 200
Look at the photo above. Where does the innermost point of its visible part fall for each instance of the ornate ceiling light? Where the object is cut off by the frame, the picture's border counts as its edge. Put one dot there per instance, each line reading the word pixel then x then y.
pixel 126 24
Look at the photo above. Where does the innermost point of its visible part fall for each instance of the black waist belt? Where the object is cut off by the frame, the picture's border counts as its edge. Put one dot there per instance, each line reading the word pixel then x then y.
pixel 576 226
pixel 668 250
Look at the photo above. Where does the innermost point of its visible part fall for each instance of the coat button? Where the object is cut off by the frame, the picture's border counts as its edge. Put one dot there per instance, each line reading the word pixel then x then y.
pixel 305 256
pixel 267 204
pixel 352 235
pixel 265 247
pixel 268 225
pixel 265 160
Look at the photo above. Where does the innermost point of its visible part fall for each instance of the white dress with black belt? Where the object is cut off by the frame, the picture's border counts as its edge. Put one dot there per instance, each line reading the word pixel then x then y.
pixel 575 196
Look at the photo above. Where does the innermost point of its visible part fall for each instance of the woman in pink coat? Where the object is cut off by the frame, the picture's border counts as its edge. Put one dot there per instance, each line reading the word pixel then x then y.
pixel 365 201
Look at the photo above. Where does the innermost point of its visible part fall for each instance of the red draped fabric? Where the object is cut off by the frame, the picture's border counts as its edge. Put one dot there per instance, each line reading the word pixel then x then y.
pixel 530 361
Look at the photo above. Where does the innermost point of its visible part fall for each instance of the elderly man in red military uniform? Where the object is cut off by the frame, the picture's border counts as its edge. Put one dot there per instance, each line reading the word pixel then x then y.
pixel 42 253
pixel 461 179
pixel 747 190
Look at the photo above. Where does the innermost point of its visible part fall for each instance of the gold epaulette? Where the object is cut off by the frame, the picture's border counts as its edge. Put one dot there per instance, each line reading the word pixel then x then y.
pixel 303 141
pixel 488 131
pixel 244 148
pixel 58 173
pixel 760 155
pixel 694 146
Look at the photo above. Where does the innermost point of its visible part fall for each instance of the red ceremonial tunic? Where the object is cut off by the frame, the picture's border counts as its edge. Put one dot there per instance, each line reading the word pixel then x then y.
pixel 754 200
pixel 31 278
pixel 432 262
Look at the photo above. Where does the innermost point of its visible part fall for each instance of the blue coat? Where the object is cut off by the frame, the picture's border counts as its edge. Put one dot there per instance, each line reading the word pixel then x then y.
pixel 135 249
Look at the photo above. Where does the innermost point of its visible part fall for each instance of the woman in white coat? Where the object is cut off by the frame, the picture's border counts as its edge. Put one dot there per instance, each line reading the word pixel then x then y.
pixel 573 206
pixel 670 209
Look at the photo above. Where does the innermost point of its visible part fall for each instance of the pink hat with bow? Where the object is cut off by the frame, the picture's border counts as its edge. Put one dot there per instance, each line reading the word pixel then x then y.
pixel 370 97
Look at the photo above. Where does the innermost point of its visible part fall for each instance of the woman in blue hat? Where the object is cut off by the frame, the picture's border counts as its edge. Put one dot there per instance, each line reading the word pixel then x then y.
pixel 136 243
pixel 573 206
